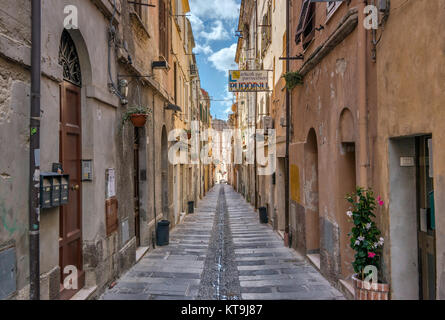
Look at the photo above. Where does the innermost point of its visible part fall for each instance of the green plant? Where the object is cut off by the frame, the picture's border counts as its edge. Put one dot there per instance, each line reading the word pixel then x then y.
pixel 293 79
pixel 135 109
pixel 364 235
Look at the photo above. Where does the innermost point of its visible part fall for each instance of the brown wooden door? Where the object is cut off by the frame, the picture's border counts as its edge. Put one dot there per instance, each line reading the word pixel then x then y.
pixel 70 230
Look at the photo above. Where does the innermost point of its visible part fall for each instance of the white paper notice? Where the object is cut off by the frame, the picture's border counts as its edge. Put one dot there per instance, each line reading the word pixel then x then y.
pixel 111 187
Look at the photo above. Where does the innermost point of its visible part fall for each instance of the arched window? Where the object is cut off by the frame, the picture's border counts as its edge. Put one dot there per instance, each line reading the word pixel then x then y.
pixel 69 60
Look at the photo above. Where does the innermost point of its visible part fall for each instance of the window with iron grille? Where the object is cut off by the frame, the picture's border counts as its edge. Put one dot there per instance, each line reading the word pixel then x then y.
pixel 163 29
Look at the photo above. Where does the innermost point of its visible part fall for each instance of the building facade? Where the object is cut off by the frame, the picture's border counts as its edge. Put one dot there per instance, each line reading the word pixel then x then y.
pixel 112 57
pixel 358 119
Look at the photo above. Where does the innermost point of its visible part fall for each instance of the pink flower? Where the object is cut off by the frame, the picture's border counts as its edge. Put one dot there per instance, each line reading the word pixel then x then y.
pixel 380 201
pixel 371 255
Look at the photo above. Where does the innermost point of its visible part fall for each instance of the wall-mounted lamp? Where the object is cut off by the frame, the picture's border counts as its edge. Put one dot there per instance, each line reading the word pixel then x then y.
pixel 173 107
pixel 162 64
pixel 123 90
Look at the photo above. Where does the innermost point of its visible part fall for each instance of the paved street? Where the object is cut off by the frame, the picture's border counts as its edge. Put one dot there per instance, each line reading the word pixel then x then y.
pixel 222 252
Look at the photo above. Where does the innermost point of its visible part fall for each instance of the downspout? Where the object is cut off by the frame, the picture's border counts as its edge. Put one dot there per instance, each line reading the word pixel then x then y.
pixel 34 152
pixel 362 100
pixel 154 170
pixel 286 182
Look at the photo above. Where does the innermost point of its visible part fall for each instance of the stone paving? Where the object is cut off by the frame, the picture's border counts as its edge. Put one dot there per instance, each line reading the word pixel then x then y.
pixel 172 272
pixel 267 270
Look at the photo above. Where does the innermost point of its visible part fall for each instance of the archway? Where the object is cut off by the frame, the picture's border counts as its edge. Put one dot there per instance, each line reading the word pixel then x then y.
pixel 346 183
pixel 164 173
pixel 311 194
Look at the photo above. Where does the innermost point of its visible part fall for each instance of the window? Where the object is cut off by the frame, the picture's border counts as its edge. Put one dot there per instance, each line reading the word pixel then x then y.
pixel 306 25
pixel 332 7
pixel 163 29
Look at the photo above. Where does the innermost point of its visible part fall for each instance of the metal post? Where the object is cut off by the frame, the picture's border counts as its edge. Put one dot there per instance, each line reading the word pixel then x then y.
pixel 34 153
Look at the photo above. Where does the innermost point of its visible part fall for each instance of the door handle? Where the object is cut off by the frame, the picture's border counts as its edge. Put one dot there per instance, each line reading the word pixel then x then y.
pixel 75 187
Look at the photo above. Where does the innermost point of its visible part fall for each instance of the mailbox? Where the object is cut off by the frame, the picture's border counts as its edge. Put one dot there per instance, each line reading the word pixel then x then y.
pixel 53 189
pixel 64 189
pixel 55 195
pixel 45 191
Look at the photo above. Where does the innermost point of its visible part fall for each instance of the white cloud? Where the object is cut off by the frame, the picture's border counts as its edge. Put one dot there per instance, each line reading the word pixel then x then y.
pixel 197 24
pixel 224 59
pixel 218 32
pixel 215 9
pixel 206 49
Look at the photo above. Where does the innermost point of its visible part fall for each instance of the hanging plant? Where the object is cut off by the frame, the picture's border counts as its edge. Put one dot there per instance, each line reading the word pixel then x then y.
pixel 137 114
pixel 293 79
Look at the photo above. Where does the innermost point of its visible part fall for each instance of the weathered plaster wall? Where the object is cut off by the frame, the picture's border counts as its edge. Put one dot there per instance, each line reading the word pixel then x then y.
pixel 329 88
pixel 411 100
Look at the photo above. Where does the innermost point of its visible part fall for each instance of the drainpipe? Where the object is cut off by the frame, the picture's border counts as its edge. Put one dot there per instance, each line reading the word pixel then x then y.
pixel 154 169
pixel 34 153
pixel 286 183
pixel 362 100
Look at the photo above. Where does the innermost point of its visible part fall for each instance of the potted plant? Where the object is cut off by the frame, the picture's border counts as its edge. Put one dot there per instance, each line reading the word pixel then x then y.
pixel 293 79
pixel 137 114
pixel 368 246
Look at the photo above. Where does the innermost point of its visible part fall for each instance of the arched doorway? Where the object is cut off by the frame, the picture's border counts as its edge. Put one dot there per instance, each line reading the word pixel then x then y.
pixel 164 173
pixel 70 152
pixel 346 183
pixel 311 194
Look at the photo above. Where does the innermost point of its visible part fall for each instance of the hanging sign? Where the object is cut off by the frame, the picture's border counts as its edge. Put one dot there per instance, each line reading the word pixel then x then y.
pixel 248 81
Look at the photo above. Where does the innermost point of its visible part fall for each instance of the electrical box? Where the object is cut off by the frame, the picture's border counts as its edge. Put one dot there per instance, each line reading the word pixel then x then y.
pixel 53 189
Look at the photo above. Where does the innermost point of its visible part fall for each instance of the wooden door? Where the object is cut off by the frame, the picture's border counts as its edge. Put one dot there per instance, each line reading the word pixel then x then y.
pixel 136 188
pixel 426 219
pixel 70 230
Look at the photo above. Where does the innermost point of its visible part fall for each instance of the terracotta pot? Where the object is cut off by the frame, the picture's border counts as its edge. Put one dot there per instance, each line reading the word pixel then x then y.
pixel 138 120
pixel 370 291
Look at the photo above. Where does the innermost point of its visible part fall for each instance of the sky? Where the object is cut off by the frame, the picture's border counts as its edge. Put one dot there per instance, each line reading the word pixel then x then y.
pixel 214 23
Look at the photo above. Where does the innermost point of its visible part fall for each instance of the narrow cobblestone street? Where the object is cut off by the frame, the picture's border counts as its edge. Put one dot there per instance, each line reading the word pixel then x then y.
pixel 222 252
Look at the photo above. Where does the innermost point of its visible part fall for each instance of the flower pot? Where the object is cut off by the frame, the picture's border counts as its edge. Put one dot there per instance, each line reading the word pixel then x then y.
pixel 189 135
pixel 370 291
pixel 138 120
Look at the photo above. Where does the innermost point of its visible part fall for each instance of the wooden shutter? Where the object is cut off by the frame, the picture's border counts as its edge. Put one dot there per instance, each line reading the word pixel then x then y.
pixel 138 7
pixel 163 30
pixel 303 20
